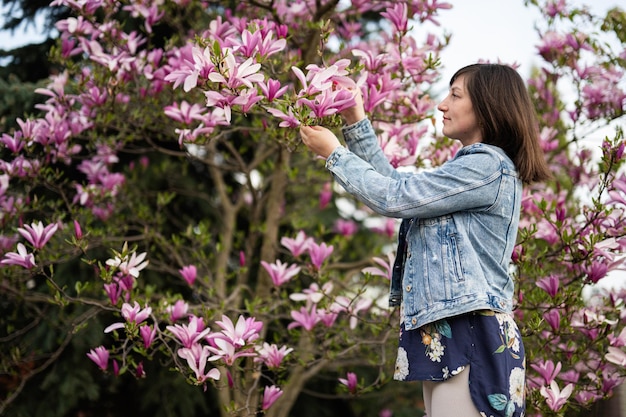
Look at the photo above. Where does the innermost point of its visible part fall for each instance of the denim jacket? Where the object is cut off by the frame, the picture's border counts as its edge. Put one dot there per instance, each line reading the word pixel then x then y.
pixel 459 224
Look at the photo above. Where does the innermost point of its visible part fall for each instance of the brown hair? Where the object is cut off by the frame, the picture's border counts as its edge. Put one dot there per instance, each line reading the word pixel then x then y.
pixel 506 116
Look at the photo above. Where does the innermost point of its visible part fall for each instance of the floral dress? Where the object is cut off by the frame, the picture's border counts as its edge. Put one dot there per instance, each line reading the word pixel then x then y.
pixel 488 341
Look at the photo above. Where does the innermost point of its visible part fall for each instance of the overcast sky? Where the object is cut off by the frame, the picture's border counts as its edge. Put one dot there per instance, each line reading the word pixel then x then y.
pixel 496 29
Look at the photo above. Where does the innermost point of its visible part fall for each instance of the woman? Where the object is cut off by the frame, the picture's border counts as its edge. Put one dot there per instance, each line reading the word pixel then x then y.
pixel 459 227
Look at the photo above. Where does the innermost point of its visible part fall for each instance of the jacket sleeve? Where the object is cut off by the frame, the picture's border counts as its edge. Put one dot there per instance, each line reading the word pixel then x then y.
pixel 363 142
pixel 468 182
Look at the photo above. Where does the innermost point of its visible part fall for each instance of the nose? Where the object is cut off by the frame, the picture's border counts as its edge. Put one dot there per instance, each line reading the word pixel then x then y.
pixel 442 107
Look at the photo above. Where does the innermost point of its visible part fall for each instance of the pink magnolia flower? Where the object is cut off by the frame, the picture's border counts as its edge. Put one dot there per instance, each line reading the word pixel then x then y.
pixel 398 16
pixel 225 102
pixel 570 376
pixel 224 349
pixel 271 355
pixel 114 292
pixel 100 356
pixel 129 265
pixel 241 334
pixel 135 314
pixel 21 258
pixel 350 381
pixel 270 395
pixel 388 228
pixel 385 412
pixel 352 307
pixel 184 113
pixel 197 358
pixel 147 335
pixel 549 284
pixel 611 380
pixel 349 30
pixel 319 253
pixel 618 340
pixel 587 397
pixel 116 368
pixel 78 231
pixel 249 42
pixel 553 318
pixel 555 398
pixel 199 64
pixel 280 272
pixel 346 227
pixel 4 183
pixel 21 167
pixel 328 102
pixel 374 95
pixel 268 46
pixel 238 74
pixel 75 25
pixel 249 97
pixel 596 270
pixel 313 294
pixel 151 14
pixel 189 334
pixel 178 310
pixel 553 45
pixel 327 317
pixel 6 242
pixel 37 234
pixel 305 318
pixel 260 41
pixel 126 283
pixel 547 232
pixel 325 195
pixel 289 120
pixel 272 89
pixel 317 79
pixel 299 245
pixel 15 143
pixel 555 7
pixel 602 96
pixel 140 372
pixel 547 370
pixel 399 142
pixel 616 356
pixel 387 267
pixel 189 273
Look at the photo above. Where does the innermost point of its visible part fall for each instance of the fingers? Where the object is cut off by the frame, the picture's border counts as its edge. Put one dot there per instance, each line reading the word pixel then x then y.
pixel 305 132
pixel 319 139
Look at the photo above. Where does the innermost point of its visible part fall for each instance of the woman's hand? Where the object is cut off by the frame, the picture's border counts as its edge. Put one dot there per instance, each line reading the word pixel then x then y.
pixel 357 112
pixel 319 140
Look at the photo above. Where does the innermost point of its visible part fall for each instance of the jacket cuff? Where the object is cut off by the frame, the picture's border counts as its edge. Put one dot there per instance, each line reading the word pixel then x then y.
pixel 333 158
pixel 351 130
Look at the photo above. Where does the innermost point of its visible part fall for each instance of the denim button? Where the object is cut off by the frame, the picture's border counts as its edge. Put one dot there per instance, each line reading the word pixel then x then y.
pixel 408 288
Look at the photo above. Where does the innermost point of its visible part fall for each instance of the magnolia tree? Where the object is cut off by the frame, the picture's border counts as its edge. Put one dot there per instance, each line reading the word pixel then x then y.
pixel 160 214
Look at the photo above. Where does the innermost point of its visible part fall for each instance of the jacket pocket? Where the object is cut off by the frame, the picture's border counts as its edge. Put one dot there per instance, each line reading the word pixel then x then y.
pixel 454 259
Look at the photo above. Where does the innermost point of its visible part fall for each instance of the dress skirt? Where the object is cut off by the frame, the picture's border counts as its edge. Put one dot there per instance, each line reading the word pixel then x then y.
pixel 488 341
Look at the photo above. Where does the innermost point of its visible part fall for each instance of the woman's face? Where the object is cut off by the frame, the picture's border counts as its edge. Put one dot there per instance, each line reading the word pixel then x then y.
pixel 459 119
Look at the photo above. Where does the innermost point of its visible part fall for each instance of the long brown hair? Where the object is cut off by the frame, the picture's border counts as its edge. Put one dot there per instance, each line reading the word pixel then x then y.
pixel 506 116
